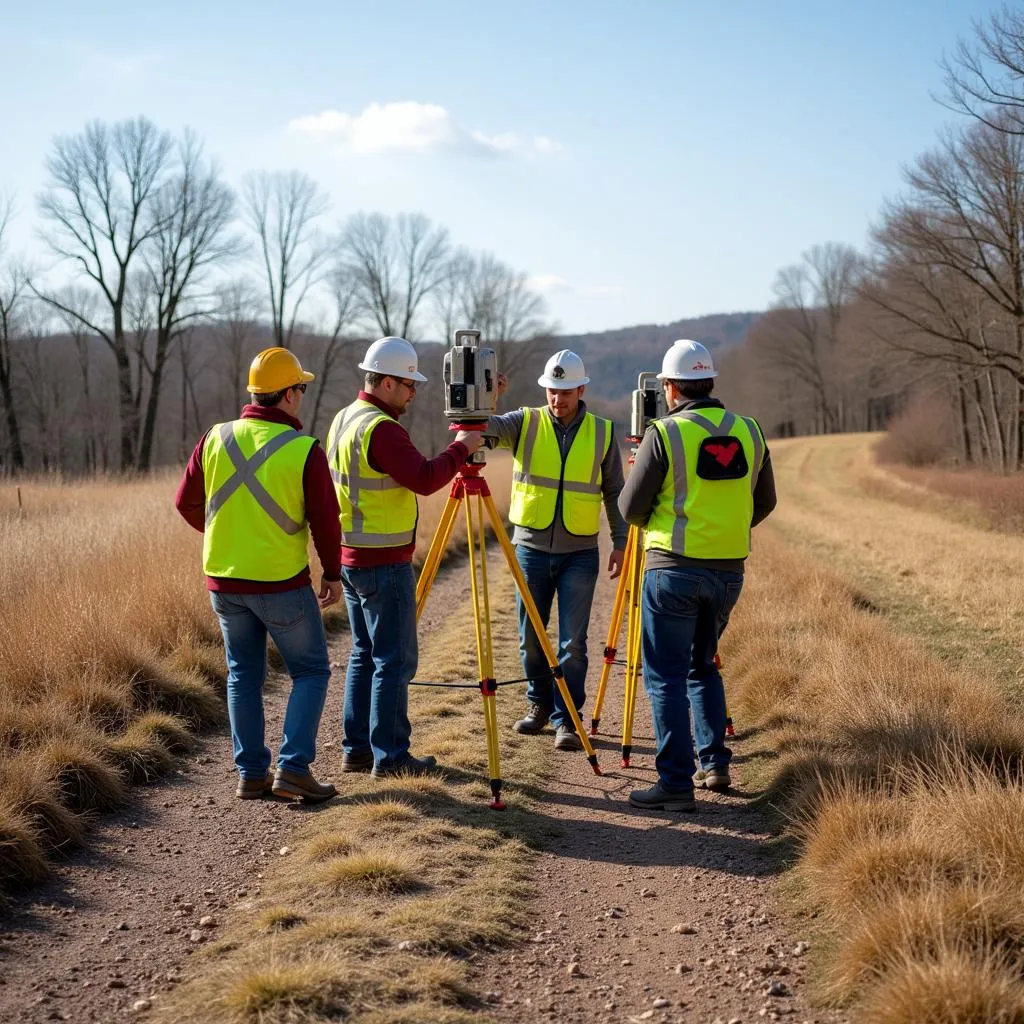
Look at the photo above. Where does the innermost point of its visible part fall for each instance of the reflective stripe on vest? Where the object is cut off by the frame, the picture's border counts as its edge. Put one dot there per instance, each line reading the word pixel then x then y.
pixel 376 510
pixel 538 457
pixel 704 518
pixel 255 506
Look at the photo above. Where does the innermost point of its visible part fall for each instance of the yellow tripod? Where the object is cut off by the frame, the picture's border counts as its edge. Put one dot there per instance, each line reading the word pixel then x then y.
pixel 469 483
pixel 627 596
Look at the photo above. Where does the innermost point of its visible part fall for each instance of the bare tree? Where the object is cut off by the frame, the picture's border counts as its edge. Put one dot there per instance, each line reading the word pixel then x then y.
pixel 99 203
pixel 984 76
pixel 281 209
pixel 13 289
pixel 239 304
pixel 395 264
pixel 85 302
pixel 194 211
pixel 344 293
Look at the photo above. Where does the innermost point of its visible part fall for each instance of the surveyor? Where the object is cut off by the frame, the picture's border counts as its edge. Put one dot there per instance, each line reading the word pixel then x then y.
pixel 377 473
pixel 701 480
pixel 256 487
pixel 566 463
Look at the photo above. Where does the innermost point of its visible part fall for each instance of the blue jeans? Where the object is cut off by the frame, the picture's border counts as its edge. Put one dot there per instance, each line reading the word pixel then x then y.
pixel 382 614
pixel 684 613
pixel 573 578
pixel 292 618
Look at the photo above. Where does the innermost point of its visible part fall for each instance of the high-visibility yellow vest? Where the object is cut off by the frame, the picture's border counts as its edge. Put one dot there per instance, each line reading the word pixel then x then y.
pixel 376 510
pixel 705 518
pixel 538 472
pixel 255 506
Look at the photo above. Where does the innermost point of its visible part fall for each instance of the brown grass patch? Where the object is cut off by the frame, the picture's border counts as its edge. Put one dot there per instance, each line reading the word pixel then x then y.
pixel 376 873
pixel 32 799
pixel 83 780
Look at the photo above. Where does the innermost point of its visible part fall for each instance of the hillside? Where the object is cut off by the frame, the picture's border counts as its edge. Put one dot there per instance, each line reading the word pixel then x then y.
pixel 614 358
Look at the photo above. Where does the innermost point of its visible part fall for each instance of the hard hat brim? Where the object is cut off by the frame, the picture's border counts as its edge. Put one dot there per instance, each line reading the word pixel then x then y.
pixel 687 376
pixel 415 375
pixel 304 378
pixel 561 385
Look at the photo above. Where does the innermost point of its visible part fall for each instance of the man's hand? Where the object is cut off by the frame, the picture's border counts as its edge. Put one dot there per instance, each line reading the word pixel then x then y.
pixel 615 564
pixel 330 593
pixel 472 439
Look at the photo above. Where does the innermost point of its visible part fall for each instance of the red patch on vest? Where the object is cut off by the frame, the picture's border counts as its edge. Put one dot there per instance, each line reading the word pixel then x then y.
pixel 723 453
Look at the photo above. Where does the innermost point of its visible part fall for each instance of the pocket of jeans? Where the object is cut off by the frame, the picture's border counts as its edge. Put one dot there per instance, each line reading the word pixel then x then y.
pixel 677 594
pixel 286 610
pixel 362 581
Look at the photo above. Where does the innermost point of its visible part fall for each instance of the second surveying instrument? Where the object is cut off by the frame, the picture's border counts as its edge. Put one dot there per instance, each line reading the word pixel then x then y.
pixel 470 378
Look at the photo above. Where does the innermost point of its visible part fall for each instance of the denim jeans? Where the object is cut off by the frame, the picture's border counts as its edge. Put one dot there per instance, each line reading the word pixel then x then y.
pixel 684 613
pixel 572 577
pixel 381 605
pixel 292 618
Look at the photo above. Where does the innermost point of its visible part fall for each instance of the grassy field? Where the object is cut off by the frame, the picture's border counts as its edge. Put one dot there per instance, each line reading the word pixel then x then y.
pixel 110 656
pixel 875 658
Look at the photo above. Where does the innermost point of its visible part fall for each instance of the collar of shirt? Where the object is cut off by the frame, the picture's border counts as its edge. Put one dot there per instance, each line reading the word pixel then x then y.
pixel 697 403
pixel 365 396
pixel 271 415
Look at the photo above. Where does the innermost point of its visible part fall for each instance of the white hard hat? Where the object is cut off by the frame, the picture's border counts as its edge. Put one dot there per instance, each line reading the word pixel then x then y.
pixel 394 357
pixel 563 371
pixel 687 360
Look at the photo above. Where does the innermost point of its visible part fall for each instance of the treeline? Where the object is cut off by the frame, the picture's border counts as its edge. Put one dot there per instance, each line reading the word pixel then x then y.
pixel 170 282
pixel 928 323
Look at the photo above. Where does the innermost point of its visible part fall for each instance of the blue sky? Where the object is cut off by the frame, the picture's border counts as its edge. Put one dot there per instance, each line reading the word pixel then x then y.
pixel 643 161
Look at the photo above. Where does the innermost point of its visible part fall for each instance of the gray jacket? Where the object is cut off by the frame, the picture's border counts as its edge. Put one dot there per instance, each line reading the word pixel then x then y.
pixel 556 540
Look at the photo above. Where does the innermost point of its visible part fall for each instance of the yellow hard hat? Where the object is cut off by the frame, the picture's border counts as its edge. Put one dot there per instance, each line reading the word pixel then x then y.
pixel 275 369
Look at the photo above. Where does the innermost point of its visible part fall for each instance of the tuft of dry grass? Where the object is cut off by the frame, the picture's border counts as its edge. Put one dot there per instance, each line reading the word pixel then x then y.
pixel 32 799
pixel 279 919
pixel 81 777
pixel 22 850
pixel 377 873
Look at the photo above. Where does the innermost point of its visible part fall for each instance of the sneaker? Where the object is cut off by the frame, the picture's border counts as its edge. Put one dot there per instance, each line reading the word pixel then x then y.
pixel 357 762
pixel 253 789
pixel 301 787
pixel 713 778
pixel 566 738
pixel 410 766
pixel 658 798
pixel 533 721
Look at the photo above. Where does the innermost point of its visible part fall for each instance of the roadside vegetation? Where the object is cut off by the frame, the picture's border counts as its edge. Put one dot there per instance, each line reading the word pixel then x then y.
pixel 899 771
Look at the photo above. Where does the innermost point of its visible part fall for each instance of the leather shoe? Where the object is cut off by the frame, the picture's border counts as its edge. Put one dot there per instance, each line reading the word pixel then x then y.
pixel 410 766
pixel 301 787
pixel 253 789
pixel 357 762
pixel 658 798
pixel 566 738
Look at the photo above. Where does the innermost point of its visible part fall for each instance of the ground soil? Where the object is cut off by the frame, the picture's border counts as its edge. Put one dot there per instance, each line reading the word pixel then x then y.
pixel 638 916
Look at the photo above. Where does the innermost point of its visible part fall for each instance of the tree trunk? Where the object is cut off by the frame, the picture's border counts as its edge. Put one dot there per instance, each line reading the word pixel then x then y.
pixel 11 416
pixel 145 460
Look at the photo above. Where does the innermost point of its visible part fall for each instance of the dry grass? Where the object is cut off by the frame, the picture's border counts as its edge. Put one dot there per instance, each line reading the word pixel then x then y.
pixel 106 655
pixel 901 774
pixel 397 876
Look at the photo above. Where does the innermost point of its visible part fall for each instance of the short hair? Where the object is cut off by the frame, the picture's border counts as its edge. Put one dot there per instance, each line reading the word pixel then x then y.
pixel 374 380
pixel 694 389
pixel 270 399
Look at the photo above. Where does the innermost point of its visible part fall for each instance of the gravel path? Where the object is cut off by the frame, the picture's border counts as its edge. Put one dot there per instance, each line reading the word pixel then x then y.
pixel 639 917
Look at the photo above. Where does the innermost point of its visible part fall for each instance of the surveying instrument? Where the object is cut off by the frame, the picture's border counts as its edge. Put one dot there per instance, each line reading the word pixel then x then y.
pixel 470 378
pixel 648 404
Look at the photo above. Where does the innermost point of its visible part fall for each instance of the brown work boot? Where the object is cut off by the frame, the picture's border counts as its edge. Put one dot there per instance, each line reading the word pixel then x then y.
pixel 357 762
pixel 410 766
pixel 253 789
pixel 301 787
pixel 566 738
pixel 713 778
pixel 534 720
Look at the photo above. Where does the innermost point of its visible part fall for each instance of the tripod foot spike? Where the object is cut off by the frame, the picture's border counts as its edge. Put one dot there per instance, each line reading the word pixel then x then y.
pixel 594 723
pixel 496 804
pixel 626 751
pixel 592 758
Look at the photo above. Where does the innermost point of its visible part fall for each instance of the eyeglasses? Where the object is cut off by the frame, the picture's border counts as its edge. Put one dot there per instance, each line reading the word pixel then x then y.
pixel 410 384
pixel 300 387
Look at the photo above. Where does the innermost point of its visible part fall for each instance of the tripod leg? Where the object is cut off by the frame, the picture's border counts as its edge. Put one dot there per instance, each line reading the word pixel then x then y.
pixel 538 626
pixel 484 650
pixel 435 552
pixel 614 628
pixel 633 654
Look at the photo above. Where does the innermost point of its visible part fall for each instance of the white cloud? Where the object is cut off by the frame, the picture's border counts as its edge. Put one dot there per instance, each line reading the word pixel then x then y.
pixel 412 127
pixel 550 284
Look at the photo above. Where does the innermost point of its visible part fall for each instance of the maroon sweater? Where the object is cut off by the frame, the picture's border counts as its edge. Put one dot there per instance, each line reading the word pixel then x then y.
pixel 392 452
pixel 321 510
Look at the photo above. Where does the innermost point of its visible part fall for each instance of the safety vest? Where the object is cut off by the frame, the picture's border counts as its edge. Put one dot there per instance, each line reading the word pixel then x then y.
pixel 376 510
pixel 539 471
pixel 255 506
pixel 706 502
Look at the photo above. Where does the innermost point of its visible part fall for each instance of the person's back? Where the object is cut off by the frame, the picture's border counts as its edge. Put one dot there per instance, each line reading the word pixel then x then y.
pixel 701 480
